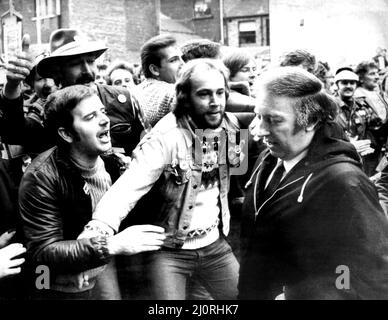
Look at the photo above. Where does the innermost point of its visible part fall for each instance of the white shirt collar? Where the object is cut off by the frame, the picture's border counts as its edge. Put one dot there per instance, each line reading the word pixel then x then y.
pixel 289 164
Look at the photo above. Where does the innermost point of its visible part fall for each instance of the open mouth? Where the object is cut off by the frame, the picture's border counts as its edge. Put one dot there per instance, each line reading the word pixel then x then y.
pixel 104 135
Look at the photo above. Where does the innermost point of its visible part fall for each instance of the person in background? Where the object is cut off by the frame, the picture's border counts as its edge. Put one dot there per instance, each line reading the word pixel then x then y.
pixel 381 59
pixel 324 74
pixel 42 87
pixel 101 73
pixel 242 78
pixel 138 73
pixel 300 58
pixel 161 61
pixel 368 91
pixel 243 71
pixel 120 73
pixel 356 117
pixel 200 48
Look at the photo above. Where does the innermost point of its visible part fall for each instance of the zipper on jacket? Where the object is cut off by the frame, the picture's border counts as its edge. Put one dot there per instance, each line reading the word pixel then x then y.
pixel 300 198
pixel 249 182
pixel 279 189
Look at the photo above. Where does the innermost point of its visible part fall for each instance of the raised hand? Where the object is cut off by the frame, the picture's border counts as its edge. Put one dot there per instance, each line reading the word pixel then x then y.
pixel 18 68
pixel 8 265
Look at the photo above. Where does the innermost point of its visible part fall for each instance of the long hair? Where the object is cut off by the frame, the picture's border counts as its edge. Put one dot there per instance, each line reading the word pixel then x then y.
pixel 183 85
pixel 236 60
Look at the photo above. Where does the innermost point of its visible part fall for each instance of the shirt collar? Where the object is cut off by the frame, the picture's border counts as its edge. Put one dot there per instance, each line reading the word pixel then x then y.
pixel 289 164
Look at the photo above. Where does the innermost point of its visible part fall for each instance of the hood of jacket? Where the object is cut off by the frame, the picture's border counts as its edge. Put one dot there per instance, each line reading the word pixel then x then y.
pixel 330 145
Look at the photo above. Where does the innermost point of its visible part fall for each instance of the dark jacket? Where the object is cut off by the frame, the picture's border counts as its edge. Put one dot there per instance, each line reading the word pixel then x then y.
pixel 324 214
pixel 9 180
pixel 123 110
pixel 54 208
pixel 10 174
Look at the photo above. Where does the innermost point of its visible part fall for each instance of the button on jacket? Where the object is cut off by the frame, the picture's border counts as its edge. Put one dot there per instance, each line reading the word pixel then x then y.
pixel 164 178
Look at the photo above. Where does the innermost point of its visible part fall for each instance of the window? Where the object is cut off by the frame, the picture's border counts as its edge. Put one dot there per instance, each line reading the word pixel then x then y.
pixel 247 32
pixel 254 32
pixel 47 8
pixel 47 18
pixel 202 8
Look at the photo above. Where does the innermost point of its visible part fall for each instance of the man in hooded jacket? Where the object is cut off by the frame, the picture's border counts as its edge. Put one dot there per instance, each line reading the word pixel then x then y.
pixel 320 232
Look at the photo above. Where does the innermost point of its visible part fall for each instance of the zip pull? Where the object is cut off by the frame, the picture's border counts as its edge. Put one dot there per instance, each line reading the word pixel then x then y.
pixel 249 182
pixel 300 198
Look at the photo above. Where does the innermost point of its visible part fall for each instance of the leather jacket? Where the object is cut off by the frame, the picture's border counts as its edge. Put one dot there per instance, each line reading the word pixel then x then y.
pixel 54 207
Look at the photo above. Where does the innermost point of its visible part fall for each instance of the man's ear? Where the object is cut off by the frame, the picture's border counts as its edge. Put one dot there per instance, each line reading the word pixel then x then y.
pixel 65 135
pixel 311 126
pixel 154 70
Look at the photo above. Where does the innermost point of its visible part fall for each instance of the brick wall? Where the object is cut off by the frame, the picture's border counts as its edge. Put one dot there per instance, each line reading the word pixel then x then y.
pixel 183 10
pixel 123 24
pixel 101 20
pixel 142 23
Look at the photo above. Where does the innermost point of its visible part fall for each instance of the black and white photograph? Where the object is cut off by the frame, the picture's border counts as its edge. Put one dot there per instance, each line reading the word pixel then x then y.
pixel 212 151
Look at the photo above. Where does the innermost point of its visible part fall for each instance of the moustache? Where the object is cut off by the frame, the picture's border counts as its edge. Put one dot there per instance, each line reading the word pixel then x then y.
pixel 85 78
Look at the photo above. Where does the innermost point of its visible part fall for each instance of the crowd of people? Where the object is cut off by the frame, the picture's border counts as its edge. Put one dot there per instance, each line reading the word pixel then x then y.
pixel 123 181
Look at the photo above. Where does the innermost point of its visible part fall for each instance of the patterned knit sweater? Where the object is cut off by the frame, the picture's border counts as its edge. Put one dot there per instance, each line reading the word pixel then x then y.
pixel 156 98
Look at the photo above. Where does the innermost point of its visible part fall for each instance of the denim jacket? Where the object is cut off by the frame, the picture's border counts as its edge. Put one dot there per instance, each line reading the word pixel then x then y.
pixel 161 185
